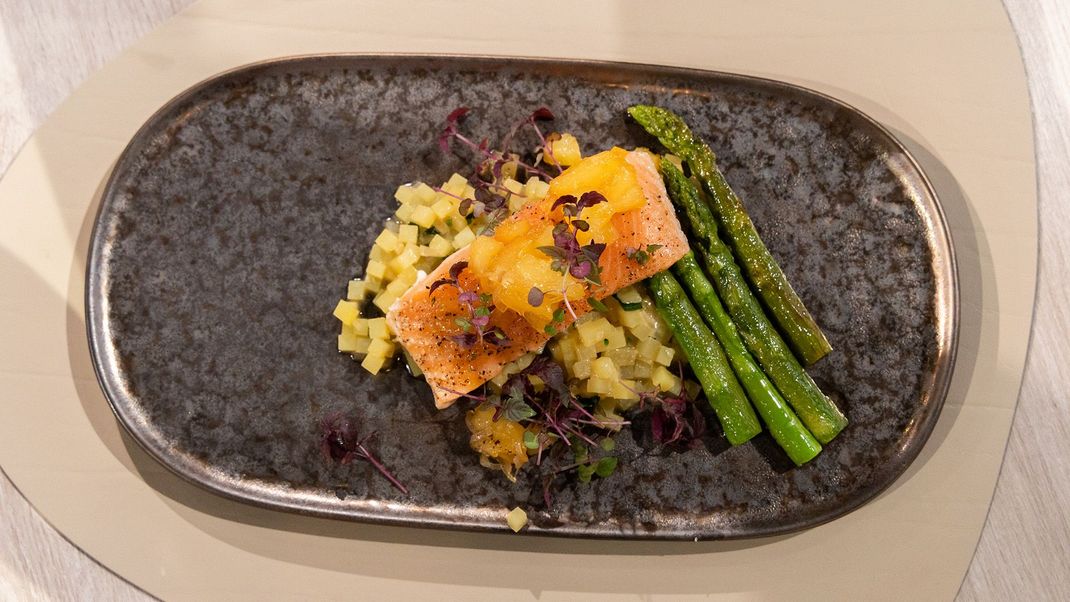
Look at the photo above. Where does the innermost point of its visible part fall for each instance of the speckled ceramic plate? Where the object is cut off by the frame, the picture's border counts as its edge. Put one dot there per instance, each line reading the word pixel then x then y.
pixel 234 218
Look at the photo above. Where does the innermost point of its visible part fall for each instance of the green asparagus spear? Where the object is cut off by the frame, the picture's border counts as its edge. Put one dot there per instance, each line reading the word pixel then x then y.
pixel 817 412
pixel 803 334
pixel 707 359
pixel 792 436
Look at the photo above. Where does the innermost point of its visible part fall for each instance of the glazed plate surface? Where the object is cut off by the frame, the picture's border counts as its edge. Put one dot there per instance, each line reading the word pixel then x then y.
pixel 234 218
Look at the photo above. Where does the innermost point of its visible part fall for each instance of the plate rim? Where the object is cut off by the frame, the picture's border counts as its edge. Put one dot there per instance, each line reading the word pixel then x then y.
pixel 257 493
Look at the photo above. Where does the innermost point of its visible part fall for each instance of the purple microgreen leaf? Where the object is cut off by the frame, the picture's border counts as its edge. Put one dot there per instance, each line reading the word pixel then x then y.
pixel 468 297
pixel 481 321
pixel 535 296
pixel 341 443
pixel 457 115
pixel 589 199
pixel 581 225
pixel 566 199
pixel 542 114
pixel 580 270
pixel 457 268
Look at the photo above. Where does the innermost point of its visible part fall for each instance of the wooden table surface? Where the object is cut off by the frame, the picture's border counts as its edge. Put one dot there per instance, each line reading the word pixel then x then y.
pixel 48 47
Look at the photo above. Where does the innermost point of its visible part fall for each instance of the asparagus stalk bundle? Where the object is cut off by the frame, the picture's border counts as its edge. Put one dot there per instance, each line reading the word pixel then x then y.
pixel 706 358
pixel 759 335
pixel 802 332
pixel 783 424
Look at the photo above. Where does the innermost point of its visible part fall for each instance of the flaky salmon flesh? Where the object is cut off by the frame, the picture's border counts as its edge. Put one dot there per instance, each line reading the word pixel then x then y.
pixel 426 324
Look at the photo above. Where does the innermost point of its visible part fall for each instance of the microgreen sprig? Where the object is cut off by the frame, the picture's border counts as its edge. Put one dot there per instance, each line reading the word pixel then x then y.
pixel 476 326
pixel 341 443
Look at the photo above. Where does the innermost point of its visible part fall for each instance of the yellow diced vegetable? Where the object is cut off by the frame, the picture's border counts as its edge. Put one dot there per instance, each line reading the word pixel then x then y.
pixel 409 276
pixel 456 184
pixel 593 332
pixel 378 329
pixel 443 207
pixel 516 519
pixel 463 238
pixel 581 369
pixel 374 363
pixel 385 299
pixel 360 327
pixel 405 259
pixel 604 367
pixel 586 352
pixel 625 390
pixel 513 186
pixel 423 216
pixel 614 339
pixel 355 291
pixel 409 233
pixel 376 269
pixel 397 288
pixel 404 194
pixel 362 345
pixel 664 356
pixel 665 380
pixel 381 347
pixel 372 284
pixel 388 241
pixel 346 311
pixel 347 341
pixel 438 247
pixel 599 386
pixel 424 194
pixel 648 349
pixel 404 213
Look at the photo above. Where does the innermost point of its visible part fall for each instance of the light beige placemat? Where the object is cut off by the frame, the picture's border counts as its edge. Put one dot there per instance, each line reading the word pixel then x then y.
pixel 945 75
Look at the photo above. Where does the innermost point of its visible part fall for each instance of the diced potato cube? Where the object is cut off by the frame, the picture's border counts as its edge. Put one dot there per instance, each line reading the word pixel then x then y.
pixel 614 339
pixel 405 259
pixel 423 216
pixel 347 341
pixel 516 202
pixel 378 329
pixel 516 519
pixel 409 276
pixel 388 241
pixel 599 386
pixel 625 356
pixel 373 285
pixel 378 254
pixel 664 356
pixel 355 291
pixel 376 269
pixel 581 369
pixel 513 186
pixel 625 389
pixel 500 378
pixel 443 207
pixel 469 192
pixel 586 352
pixel 463 238
pixel 362 345
pixel 644 331
pixel 409 233
pixel 604 367
pixel 648 349
pixel 456 184
pixel 346 311
pixel 404 194
pixel 593 332
pixel 381 347
pixel 404 213
pixel 374 363
pixel 665 380
pixel 397 288
pixel 630 319
pixel 438 247
pixel 424 194
pixel 642 369
pixel 360 327
pixel 385 299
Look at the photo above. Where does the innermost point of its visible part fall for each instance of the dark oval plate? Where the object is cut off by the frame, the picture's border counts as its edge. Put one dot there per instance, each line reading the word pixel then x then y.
pixel 234 217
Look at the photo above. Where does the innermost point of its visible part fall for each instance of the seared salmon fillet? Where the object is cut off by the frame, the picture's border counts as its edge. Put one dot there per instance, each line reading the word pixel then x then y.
pixel 425 321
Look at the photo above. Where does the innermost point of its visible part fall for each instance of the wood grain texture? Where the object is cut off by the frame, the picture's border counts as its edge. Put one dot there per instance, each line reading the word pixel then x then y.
pixel 48 47
pixel 1024 552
